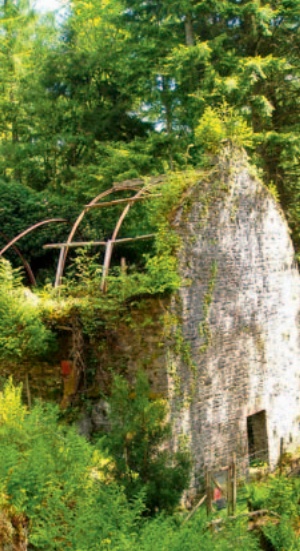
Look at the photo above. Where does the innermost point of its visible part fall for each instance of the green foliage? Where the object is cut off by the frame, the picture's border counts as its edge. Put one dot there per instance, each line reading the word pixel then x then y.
pixel 282 536
pixel 23 335
pixel 162 271
pixel 282 496
pixel 141 89
pixel 279 495
pixel 136 441
pixel 64 485
pixel 222 125
pixel 21 207
pixel 53 476
pixel 164 534
pixel 256 496
pixel 126 88
pixel 162 268
pixel 274 191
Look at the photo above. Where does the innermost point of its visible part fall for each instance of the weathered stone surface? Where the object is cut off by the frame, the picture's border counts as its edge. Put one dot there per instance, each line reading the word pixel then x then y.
pixel 226 349
pixel 137 342
pixel 85 426
pixel 99 418
pixel 240 315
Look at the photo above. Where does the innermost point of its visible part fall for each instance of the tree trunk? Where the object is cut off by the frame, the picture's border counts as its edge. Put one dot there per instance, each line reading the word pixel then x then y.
pixel 189 31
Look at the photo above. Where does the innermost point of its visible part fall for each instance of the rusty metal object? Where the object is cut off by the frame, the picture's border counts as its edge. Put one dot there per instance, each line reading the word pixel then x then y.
pixel 29 230
pixel 110 243
pixel 24 261
pixel 64 251
pixel 76 244
pixel 127 185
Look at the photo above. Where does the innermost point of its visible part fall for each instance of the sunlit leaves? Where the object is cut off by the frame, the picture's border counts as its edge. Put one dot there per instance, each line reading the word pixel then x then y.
pixel 23 335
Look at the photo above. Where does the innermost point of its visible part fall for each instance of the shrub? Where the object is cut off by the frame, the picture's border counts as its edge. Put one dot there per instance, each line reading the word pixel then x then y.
pixel 137 444
pixel 53 477
pixel 23 335
pixel 221 125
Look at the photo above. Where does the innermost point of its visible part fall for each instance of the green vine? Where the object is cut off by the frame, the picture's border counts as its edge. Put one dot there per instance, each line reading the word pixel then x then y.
pixel 204 329
pixel 181 348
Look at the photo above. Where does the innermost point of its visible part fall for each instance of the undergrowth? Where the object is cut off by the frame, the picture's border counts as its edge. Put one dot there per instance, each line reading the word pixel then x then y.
pixel 65 491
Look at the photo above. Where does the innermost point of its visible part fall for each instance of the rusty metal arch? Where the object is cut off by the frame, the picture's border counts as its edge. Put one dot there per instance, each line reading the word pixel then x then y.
pixel 64 250
pixel 23 260
pixel 110 243
pixel 30 229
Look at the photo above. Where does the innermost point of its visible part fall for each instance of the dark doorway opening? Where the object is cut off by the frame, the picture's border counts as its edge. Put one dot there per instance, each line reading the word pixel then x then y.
pixel 258 437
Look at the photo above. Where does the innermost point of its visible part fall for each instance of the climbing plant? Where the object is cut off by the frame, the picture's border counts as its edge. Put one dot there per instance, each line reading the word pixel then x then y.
pixel 23 335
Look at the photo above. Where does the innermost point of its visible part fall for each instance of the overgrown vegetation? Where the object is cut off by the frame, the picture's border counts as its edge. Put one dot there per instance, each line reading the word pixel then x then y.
pixel 55 479
pixel 23 336
pixel 65 491
pixel 118 90
pixel 128 89
pixel 137 442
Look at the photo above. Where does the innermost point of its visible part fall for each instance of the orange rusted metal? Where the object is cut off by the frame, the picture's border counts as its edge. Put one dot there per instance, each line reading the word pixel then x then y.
pixel 24 261
pixel 64 251
pixel 25 232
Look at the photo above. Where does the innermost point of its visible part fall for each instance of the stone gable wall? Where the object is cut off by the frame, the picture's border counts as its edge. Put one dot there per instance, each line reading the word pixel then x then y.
pixel 226 347
pixel 240 316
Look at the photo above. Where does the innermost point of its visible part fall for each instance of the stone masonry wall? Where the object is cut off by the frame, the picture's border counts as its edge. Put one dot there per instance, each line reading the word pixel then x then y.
pixel 225 349
pixel 239 315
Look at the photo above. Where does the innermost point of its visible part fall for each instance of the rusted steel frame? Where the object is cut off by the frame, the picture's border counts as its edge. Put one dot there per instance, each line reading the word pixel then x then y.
pixel 25 232
pixel 64 251
pixel 124 214
pixel 96 243
pixel 118 201
pixel 25 263
pixel 60 265
pixel 128 184
pixel 74 244
pixel 137 182
pixel 127 239
pixel 110 243
pixel 106 264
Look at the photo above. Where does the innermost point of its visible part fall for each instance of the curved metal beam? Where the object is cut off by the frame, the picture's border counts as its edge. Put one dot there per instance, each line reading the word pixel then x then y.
pixel 110 243
pixel 24 262
pixel 25 232
pixel 64 251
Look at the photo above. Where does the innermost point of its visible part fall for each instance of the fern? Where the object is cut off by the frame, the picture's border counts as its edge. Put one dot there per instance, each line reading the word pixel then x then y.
pixel 10 278
pixel 23 335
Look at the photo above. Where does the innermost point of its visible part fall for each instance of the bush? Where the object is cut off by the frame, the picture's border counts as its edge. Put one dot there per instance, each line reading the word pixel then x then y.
pixel 53 477
pixel 221 125
pixel 23 335
pixel 137 444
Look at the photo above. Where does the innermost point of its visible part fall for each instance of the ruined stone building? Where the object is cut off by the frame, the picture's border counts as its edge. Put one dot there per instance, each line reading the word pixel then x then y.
pixel 229 361
pixel 240 315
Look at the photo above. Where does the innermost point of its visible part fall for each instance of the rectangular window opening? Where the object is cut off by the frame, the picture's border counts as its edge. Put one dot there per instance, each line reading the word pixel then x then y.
pixel 258 448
